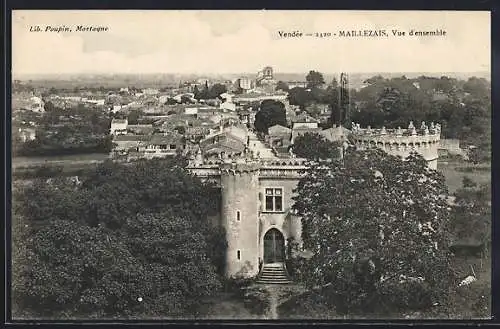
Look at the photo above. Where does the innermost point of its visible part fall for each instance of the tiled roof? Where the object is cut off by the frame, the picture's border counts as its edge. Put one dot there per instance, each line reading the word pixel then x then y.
pixel 226 145
pixel 132 138
pixel 279 130
pixel 140 126
pixel 335 133
pixel 165 139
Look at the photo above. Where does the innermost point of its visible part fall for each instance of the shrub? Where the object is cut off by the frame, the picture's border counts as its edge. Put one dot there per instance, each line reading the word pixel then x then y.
pixel 256 299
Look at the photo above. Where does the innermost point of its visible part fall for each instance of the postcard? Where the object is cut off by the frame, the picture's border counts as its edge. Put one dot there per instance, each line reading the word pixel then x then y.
pixel 250 165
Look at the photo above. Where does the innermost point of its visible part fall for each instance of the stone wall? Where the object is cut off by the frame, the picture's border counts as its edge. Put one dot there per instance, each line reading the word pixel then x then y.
pixel 451 146
pixel 401 142
pixel 239 184
pixel 285 222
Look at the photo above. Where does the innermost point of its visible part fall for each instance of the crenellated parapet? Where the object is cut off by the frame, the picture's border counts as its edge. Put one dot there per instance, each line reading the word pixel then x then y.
pixel 264 168
pixel 402 142
pixel 232 168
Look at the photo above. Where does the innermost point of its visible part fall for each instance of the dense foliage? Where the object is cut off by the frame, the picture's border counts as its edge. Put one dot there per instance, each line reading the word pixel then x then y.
pixel 61 131
pixel 211 92
pixel 270 113
pixel 313 146
pixel 314 79
pixel 463 108
pixel 377 228
pixel 282 86
pixel 472 213
pixel 129 241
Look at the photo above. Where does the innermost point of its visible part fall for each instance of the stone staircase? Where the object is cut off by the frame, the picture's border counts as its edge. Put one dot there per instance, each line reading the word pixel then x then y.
pixel 274 273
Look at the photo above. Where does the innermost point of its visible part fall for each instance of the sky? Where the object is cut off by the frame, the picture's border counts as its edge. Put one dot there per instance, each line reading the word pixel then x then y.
pixel 198 42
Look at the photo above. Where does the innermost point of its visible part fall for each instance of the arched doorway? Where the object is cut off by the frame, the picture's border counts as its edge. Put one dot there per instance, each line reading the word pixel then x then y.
pixel 274 247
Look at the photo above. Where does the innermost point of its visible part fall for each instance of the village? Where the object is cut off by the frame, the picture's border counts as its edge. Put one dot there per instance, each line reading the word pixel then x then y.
pixel 252 139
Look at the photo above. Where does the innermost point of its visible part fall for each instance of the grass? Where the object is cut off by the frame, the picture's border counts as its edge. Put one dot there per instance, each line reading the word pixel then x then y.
pixel 454 171
pixel 468 302
pixel 62 159
pixel 226 306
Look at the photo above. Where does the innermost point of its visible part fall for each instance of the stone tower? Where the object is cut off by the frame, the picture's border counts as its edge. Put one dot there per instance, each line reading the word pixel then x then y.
pixel 240 217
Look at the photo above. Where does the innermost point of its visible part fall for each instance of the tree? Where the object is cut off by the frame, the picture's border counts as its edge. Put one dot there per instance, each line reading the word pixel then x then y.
pixel 180 129
pixel 377 228
pixel 468 183
pixel 196 92
pixel 134 116
pixel 472 213
pixel 314 79
pixel 334 83
pixel 281 85
pixel 313 146
pixel 49 106
pixel 127 232
pixel 271 113
pixel 171 101
pixel 299 96
pixel 479 87
pixel 216 90
pixel 185 99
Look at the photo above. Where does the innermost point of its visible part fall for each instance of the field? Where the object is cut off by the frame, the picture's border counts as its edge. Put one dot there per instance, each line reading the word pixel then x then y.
pixel 454 171
pixel 59 160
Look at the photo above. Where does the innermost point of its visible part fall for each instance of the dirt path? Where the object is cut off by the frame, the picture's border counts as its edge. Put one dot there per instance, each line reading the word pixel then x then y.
pixel 278 294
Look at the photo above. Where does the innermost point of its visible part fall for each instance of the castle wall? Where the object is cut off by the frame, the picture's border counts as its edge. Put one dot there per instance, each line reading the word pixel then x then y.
pixel 240 194
pixel 288 224
pixel 401 145
pixel 243 185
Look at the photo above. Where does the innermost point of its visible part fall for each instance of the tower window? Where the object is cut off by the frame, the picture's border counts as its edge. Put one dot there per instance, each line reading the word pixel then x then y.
pixel 238 215
pixel 238 254
pixel 274 199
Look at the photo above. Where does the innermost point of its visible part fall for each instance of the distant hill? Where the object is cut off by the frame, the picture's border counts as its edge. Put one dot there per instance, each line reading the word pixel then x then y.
pixel 165 79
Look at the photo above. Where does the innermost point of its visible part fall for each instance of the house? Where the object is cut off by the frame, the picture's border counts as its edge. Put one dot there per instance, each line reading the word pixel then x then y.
pixel 244 116
pixel 116 108
pixel 118 126
pixel 150 91
pixel 244 83
pixel 301 124
pixel 27 134
pixel 191 111
pixel 98 102
pixel 304 120
pixel 140 129
pixel 207 112
pixel 36 104
pixel 335 134
pixel 301 130
pixel 199 132
pixel 162 145
pixel 296 84
pixel 128 143
pixel 228 106
pixel 450 147
pixel 318 110
pixel 222 144
pixel 279 136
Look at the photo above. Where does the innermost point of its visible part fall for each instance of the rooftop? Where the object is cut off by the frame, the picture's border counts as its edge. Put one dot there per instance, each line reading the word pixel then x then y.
pixel 132 138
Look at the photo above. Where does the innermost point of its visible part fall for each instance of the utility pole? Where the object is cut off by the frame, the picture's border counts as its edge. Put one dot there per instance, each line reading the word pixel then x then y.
pixel 344 100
